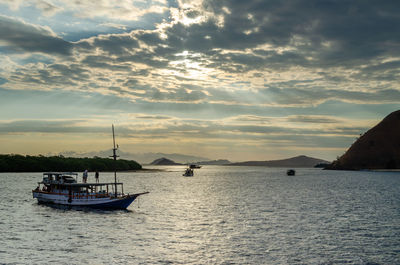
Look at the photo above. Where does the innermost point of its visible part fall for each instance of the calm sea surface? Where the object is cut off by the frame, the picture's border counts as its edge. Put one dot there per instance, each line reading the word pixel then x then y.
pixel 222 215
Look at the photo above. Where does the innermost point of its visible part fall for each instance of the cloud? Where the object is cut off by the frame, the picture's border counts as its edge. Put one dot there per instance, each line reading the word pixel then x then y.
pixel 43 126
pixel 3 81
pixel 316 95
pixel 154 131
pixel 152 117
pixel 262 53
pixel 47 8
pixel 120 10
pixel 333 31
pixel 18 36
pixel 173 126
pixel 56 126
pixel 312 119
pixel 115 44
pixel 123 9
pixel 114 25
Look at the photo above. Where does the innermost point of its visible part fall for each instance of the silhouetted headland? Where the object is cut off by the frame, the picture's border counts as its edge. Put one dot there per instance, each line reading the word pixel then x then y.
pixel 379 148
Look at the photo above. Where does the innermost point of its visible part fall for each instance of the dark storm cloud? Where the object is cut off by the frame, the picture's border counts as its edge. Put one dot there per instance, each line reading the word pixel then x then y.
pixel 320 34
pixel 58 75
pixel 18 36
pixel 174 95
pixel 292 95
pixel 192 13
pixel 234 62
pixel 356 30
pixel 107 43
pixel 236 37
pixel 149 38
pixel 74 71
pixel 151 93
pixel 144 57
pixel 388 71
pixel 104 62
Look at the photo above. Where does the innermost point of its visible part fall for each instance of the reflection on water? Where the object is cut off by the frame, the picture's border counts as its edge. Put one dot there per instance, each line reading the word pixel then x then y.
pixel 222 215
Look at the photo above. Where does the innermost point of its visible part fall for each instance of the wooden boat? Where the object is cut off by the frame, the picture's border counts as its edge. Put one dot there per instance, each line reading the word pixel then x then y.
pixel 62 188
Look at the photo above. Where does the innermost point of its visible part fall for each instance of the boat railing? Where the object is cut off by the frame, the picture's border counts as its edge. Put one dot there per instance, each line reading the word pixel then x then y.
pixel 83 195
pixel 80 190
pixel 93 195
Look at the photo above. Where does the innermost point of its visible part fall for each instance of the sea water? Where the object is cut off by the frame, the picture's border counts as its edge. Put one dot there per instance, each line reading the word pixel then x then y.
pixel 222 215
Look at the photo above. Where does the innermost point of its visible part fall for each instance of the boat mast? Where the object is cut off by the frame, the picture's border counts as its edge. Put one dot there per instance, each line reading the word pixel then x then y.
pixel 115 161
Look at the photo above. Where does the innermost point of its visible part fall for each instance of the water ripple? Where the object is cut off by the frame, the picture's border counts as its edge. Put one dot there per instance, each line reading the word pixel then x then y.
pixel 223 215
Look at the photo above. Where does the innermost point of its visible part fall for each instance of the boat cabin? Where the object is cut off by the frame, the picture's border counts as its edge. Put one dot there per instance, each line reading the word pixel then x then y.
pixel 67 184
pixel 59 178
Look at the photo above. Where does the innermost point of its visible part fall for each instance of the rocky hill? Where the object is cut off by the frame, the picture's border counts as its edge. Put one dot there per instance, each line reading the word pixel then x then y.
pixel 379 148
pixel 164 162
pixel 298 161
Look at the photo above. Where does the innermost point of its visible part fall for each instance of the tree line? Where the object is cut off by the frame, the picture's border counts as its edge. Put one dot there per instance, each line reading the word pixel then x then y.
pixel 21 163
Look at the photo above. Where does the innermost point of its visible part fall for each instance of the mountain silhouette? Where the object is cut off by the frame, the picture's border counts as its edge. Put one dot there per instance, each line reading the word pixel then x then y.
pixel 164 161
pixel 378 148
pixel 298 161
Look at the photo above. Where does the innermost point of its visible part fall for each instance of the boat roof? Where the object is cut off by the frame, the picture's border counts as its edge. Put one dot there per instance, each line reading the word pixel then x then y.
pixel 60 173
pixel 87 184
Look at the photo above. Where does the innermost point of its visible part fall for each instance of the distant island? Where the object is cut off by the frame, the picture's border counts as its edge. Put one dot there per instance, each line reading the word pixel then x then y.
pixel 298 161
pixel 164 162
pixel 214 162
pixel 378 148
pixel 20 163
pixel 142 158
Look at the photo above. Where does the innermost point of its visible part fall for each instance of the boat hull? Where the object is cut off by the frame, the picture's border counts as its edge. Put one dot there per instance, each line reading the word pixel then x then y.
pixel 122 202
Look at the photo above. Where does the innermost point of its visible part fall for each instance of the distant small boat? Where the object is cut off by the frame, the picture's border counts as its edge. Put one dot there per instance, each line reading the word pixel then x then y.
pixel 291 172
pixel 194 166
pixel 188 172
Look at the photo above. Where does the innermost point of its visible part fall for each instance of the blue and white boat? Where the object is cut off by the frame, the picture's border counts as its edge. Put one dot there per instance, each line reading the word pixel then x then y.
pixel 63 189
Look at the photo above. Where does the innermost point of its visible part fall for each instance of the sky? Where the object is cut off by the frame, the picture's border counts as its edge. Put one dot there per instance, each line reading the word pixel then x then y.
pixel 237 80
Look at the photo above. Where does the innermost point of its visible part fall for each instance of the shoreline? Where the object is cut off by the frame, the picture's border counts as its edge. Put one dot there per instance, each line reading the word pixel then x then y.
pixel 143 170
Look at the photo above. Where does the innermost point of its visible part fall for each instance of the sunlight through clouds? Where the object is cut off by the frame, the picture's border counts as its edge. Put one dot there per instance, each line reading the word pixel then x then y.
pixel 290 77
